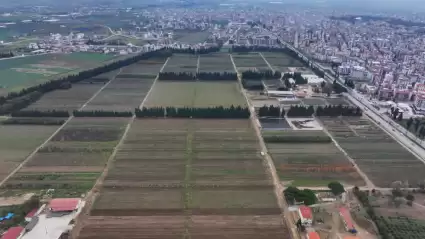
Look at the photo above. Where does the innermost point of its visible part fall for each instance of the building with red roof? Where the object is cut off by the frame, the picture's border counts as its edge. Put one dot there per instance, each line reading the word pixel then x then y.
pixel 305 214
pixel 64 204
pixel 13 233
pixel 346 218
pixel 313 235
pixel 31 214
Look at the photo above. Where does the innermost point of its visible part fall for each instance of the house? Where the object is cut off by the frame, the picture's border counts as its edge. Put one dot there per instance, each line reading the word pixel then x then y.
pixel 305 214
pixel 313 235
pixel 346 218
pixel 64 204
pixel 13 233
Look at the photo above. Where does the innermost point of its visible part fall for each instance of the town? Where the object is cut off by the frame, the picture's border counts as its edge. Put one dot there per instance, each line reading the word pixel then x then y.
pixel 213 120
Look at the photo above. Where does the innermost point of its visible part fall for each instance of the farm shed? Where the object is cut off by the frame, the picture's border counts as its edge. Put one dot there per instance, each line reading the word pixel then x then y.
pixel 346 218
pixel 13 233
pixel 31 214
pixel 305 214
pixel 64 204
pixel 313 235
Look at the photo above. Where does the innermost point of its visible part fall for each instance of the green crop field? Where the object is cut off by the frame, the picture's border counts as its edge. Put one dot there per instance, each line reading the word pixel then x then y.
pixel 197 94
pixel 18 73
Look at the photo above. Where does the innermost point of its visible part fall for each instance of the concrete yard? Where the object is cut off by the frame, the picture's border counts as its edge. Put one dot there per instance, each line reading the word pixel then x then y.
pixel 51 227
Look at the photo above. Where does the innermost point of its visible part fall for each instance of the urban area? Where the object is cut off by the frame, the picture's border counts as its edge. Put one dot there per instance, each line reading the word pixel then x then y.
pixel 211 119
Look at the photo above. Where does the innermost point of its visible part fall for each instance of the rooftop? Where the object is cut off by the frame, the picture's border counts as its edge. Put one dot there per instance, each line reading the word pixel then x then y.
pixel 306 212
pixel 345 214
pixel 12 233
pixel 64 204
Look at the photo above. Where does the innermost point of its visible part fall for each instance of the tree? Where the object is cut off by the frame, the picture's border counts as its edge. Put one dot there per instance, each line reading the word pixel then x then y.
pixel 336 187
pixel 397 193
pixel 293 194
pixel 409 123
pixel 410 197
pixel 400 116
pixel 417 124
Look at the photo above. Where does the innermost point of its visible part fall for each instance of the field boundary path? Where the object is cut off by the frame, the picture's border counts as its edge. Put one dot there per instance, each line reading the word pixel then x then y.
pixel 198 63
pixel 187 182
pixel 366 179
pixel 265 60
pixel 93 193
pixel 270 165
pixel 29 157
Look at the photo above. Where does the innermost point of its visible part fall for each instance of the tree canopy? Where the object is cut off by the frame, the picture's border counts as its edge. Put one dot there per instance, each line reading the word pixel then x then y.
pixel 336 188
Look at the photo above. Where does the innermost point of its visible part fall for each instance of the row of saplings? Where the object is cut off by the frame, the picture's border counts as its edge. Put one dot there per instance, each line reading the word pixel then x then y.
pixel 304 111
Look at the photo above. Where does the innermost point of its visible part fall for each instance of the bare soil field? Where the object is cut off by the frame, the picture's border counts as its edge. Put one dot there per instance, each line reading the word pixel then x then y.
pixel 195 94
pixel 216 62
pixel 182 63
pixel 312 164
pixel 249 61
pixel 147 227
pixel 378 155
pixel 19 141
pixel 239 227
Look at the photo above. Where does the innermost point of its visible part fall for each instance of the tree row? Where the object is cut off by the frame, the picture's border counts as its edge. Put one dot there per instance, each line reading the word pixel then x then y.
pixel 304 111
pixel 185 112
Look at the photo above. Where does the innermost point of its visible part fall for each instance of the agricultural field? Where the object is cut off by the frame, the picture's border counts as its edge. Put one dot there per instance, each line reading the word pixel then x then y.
pixel 216 62
pixel 195 94
pixel 73 159
pixel 70 99
pixel 18 73
pixel 281 61
pixel 19 141
pixel 310 159
pixel 378 155
pixel 191 37
pixel 402 227
pixel 128 89
pixel 182 63
pixel 143 68
pixel 249 61
pixel 314 101
pixel 176 177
